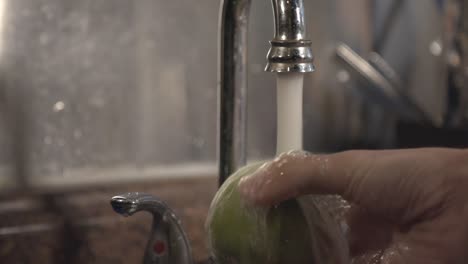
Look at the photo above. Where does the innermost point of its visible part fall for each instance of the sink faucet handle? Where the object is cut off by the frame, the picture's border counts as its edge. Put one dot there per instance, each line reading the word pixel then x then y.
pixel 168 243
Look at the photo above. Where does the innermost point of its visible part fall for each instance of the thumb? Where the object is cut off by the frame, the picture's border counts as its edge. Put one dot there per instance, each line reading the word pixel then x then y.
pixel 292 174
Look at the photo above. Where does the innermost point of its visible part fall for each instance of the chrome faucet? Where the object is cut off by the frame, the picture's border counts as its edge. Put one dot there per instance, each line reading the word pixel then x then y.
pixel 290 52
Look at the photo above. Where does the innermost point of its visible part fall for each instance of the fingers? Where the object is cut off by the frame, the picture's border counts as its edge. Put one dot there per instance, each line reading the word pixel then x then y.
pixel 392 182
pixel 411 190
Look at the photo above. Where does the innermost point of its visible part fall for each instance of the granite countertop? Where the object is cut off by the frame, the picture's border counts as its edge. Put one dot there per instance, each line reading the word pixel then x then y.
pixel 82 227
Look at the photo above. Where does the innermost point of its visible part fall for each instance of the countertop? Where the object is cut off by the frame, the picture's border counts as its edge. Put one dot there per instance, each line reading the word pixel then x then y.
pixel 81 227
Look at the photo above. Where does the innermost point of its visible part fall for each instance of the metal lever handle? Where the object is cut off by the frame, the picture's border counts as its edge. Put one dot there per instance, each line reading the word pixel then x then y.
pixel 168 243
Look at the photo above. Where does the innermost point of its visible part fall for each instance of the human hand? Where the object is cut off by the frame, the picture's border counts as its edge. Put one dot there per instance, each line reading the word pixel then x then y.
pixel 408 206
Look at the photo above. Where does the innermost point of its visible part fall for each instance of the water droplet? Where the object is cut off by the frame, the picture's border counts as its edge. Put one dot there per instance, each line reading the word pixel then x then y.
pixel 342 76
pixel 59 106
pixel 281 163
pixel 77 133
pixel 264 165
pixel 97 101
pixel 435 47
pixel 47 140
pixel 61 142
pixel 198 142
pixel 78 152
pixel 44 39
pixel 453 58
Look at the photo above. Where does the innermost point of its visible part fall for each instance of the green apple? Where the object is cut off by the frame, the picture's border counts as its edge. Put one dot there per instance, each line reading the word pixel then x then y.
pixel 245 234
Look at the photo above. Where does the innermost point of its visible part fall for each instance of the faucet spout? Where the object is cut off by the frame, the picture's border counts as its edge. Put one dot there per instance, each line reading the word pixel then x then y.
pixel 290 50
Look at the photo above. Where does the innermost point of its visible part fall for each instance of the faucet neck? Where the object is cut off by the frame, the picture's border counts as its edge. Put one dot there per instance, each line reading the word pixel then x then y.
pixel 289 20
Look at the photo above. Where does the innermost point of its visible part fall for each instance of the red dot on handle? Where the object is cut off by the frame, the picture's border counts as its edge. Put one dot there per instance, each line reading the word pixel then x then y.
pixel 159 247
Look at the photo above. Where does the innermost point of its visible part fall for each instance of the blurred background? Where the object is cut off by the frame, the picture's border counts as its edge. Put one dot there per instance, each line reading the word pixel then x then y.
pixel 99 97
